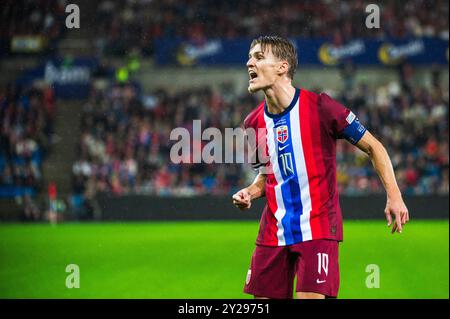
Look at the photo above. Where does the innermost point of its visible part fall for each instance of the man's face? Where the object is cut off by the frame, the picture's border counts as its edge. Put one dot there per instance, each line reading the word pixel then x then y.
pixel 262 68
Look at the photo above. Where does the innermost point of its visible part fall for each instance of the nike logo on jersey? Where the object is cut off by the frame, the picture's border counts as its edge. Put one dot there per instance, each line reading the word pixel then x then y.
pixel 320 281
pixel 282 148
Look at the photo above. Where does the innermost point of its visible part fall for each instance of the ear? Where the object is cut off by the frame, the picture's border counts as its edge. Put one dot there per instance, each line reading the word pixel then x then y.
pixel 283 67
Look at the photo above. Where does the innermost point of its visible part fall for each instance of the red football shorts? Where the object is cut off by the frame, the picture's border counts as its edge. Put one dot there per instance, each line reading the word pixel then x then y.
pixel 273 269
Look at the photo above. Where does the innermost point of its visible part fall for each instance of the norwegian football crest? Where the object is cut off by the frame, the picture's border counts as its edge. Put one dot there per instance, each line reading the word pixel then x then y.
pixel 282 133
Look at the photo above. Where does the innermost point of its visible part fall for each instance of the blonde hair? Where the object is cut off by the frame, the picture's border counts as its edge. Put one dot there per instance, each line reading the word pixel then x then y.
pixel 282 49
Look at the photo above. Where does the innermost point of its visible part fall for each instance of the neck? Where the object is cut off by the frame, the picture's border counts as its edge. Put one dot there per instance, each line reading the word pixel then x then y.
pixel 278 97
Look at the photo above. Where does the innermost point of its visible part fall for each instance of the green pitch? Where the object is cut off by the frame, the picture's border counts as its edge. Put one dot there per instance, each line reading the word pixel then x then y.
pixel 206 259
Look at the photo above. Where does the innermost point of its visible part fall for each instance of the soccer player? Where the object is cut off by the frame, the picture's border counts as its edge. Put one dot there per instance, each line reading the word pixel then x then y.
pixel 301 224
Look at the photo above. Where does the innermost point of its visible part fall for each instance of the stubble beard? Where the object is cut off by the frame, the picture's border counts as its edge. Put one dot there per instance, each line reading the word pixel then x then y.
pixel 253 90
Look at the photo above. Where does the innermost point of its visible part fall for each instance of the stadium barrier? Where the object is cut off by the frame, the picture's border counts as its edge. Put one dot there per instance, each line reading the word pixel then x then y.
pixel 70 77
pixel 320 51
pixel 140 207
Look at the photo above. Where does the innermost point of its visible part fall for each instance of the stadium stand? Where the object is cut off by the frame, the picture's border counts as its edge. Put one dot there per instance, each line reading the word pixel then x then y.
pixel 41 22
pixel 27 116
pixel 124 142
pixel 135 24
pixel 125 146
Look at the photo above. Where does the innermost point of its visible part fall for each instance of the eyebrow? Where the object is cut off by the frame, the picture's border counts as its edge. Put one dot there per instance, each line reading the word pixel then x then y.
pixel 256 53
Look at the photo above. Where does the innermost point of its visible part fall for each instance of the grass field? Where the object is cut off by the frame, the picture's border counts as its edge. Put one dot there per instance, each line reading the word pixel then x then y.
pixel 206 259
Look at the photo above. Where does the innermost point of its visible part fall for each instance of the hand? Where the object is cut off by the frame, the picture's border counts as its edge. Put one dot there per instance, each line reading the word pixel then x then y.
pixel 242 199
pixel 397 208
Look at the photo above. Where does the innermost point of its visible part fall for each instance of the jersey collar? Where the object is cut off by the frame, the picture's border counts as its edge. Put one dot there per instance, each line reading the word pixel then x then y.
pixel 286 110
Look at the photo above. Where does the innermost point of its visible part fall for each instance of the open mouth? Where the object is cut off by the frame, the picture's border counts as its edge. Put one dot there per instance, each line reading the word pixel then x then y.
pixel 252 75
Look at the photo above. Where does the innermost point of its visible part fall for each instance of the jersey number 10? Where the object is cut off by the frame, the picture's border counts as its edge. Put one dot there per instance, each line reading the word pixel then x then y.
pixel 286 162
pixel 322 263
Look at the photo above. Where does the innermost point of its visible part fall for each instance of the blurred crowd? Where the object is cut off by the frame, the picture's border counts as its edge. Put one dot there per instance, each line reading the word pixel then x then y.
pixel 32 17
pixel 134 24
pixel 118 27
pixel 125 144
pixel 412 123
pixel 27 117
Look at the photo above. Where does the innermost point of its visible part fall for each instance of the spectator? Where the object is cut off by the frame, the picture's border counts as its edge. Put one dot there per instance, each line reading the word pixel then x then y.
pixel 27 115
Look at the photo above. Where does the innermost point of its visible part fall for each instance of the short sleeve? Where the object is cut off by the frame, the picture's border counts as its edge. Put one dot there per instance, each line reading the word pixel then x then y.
pixel 339 121
pixel 254 136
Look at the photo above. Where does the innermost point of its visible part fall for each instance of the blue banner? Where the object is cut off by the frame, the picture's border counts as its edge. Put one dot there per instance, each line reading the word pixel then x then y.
pixel 70 78
pixel 216 52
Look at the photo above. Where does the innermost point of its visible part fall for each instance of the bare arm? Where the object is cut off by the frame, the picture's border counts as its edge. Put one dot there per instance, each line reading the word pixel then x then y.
pixel 243 198
pixel 383 166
